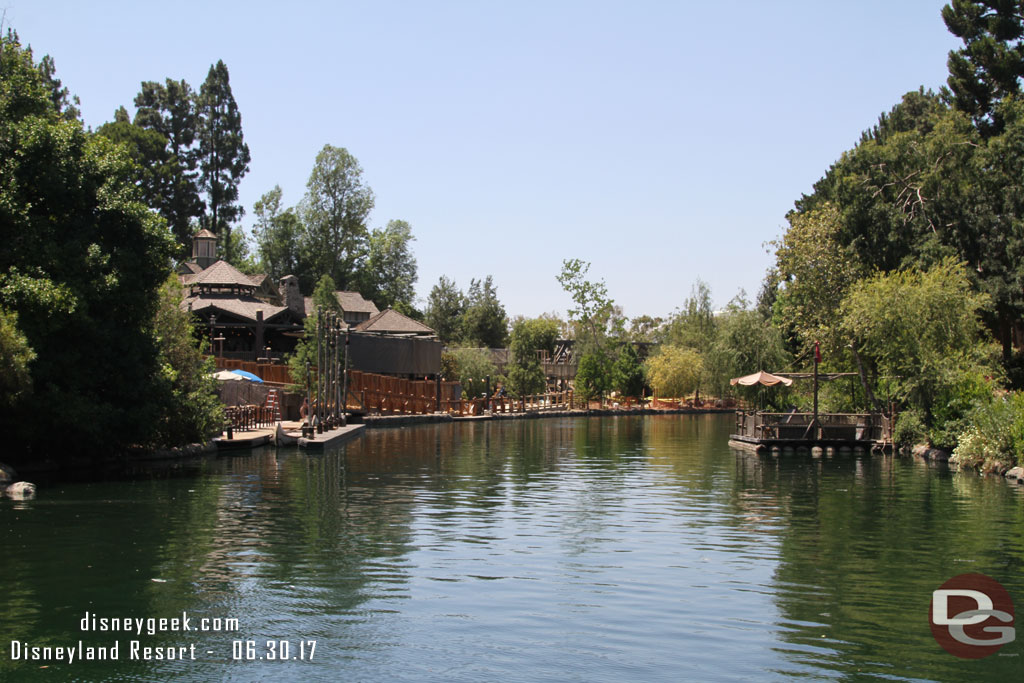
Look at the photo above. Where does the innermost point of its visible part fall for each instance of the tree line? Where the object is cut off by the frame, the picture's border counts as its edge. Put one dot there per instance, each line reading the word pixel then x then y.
pixel 904 263
pixel 97 356
pixel 190 155
pixel 326 235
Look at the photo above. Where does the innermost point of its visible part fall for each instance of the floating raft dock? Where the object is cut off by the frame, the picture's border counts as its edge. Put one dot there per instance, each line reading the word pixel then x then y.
pixel 760 430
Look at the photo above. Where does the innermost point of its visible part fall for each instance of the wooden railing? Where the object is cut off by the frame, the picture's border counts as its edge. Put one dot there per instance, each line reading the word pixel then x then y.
pixel 798 426
pixel 244 418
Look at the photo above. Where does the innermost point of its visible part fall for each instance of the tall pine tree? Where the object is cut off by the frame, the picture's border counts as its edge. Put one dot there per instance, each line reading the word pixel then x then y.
pixel 991 63
pixel 224 156
pixel 169 110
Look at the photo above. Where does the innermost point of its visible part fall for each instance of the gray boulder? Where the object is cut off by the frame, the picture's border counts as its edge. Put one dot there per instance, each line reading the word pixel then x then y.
pixel 22 490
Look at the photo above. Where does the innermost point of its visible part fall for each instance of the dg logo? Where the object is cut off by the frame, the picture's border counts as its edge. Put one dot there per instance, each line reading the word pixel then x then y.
pixel 971 616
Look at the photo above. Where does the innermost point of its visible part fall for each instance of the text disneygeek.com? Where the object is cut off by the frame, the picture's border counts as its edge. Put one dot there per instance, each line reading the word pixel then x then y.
pixel 135 649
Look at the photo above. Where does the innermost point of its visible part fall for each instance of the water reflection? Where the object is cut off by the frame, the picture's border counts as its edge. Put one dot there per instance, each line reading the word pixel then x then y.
pixel 623 548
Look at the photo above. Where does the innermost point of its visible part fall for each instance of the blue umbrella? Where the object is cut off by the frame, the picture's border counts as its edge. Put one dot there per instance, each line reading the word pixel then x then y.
pixel 247 375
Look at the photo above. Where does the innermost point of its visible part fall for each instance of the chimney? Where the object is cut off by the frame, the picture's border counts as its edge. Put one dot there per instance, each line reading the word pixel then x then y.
pixel 289 287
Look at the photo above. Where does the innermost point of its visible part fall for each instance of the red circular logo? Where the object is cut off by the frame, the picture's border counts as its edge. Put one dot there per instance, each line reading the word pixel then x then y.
pixel 971 616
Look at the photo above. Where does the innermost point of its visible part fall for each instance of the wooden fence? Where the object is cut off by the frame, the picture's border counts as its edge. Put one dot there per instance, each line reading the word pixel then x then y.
pixel 274 373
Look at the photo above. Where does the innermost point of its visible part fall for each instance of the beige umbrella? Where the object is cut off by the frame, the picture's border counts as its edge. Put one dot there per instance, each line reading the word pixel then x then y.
pixel 227 376
pixel 762 377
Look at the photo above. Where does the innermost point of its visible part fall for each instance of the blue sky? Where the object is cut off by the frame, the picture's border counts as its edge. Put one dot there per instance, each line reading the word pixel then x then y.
pixel 660 141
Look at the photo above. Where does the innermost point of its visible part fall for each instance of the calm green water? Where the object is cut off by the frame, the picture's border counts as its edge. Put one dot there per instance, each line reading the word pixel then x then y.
pixel 610 549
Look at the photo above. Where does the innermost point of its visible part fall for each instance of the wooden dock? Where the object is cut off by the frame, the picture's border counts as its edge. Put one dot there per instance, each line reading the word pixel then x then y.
pixel 763 430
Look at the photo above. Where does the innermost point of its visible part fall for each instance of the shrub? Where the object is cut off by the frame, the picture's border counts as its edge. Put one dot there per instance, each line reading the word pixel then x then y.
pixel 994 440
pixel 909 429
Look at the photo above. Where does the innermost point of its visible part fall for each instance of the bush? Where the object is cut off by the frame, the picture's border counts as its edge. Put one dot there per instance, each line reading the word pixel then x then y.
pixel 909 429
pixel 994 440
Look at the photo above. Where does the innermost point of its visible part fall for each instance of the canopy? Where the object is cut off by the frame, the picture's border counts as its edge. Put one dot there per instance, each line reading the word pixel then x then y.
pixel 247 375
pixel 762 377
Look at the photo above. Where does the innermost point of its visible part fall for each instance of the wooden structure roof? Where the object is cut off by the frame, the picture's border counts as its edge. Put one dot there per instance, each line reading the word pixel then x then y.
pixel 393 322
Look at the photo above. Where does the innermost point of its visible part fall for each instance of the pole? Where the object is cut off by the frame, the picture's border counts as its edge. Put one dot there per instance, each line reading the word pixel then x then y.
pixel 344 385
pixel 319 372
pixel 817 359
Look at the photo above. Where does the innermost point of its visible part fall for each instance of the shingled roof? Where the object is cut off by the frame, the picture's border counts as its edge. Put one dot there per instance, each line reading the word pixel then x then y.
pixel 353 302
pixel 244 307
pixel 221 274
pixel 393 322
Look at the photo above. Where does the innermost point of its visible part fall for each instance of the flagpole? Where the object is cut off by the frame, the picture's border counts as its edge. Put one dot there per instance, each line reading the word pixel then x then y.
pixel 817 359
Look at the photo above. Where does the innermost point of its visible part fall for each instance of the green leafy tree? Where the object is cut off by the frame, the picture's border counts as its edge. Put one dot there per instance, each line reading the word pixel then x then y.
pixel 628 372
pixel 593 375
pixel 389 272
pixel 484 322
pixel 645 328
pixel 277 233
pixel 921 337
pixel 694 324
pixel 82 264
pixel 592 308
pixel 474 367
pixel 988 68
pixel 815 270
pixel 334 213
pixel 674 371
pixel 15 358
pixel 528 337
pixel 64 103
pixel 189 409
pixel 324 298
pixel 171 186
pixel 445 308
pixel 148 149
pixel 223 154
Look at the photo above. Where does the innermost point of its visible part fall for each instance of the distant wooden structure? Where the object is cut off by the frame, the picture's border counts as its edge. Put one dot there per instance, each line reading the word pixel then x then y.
pixel 763 430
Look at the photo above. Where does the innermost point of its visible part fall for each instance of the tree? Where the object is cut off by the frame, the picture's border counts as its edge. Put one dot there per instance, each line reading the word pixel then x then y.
pixel 334 212
pixel 694 325
pixel 815 271
pixel 475 367
pixel 445 308
pixel 324 298
pixel 528 337
pixel 65 104
pixel 189 409
pixel 645 328
pixel 224 156
pixel 628 372
pixel 674 371
pixel 592 308
pixel 988 68
pixel 277 233
pixel 15 357
pixel 593 375
pixel 82 264
pixel 172 186
pixel 744 344
pixel 389 272
pixel 484 322
pixel 927 350
pixel 153 167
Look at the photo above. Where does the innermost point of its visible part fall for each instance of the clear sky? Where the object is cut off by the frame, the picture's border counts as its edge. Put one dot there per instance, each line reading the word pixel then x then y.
pixel 660 141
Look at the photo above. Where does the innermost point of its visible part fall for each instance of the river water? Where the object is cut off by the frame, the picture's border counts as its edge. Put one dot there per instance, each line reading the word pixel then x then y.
pixel 611 549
